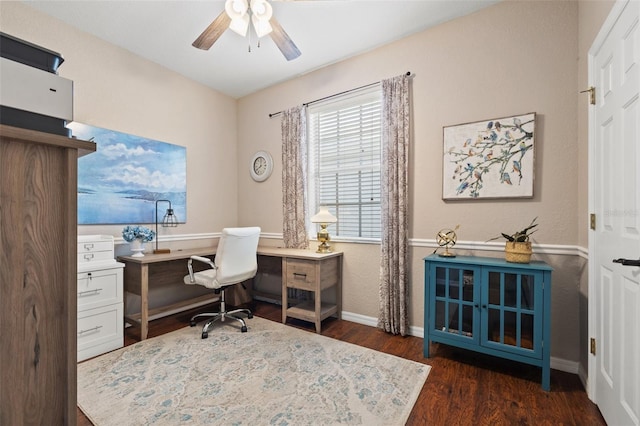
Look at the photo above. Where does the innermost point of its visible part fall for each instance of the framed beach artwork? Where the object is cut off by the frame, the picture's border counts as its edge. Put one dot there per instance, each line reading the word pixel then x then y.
pixel 121 182
pixel 489 159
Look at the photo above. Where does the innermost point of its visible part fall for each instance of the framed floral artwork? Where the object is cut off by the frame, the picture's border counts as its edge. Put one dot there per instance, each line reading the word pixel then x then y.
pixel 489 159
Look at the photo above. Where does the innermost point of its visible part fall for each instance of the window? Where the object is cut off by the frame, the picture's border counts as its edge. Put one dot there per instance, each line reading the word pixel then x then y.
pixel 344 161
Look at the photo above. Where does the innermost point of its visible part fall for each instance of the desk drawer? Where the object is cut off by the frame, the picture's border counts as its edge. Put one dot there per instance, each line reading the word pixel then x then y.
pixel 301 274
pixel 98 288
pixel 100 330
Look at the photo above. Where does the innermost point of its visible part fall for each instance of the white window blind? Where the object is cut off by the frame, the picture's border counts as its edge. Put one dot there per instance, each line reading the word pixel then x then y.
pixel 344 161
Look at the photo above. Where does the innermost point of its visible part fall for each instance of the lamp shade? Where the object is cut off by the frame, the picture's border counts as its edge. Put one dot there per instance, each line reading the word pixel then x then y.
pixel 262 27
pixel 324 216
pixel 170 219
pixel 261 12
pixel 237 11
pixel 261 9
pixel 240 25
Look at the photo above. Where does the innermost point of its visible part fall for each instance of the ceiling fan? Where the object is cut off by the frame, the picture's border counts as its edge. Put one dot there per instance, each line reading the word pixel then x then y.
pixel 236 16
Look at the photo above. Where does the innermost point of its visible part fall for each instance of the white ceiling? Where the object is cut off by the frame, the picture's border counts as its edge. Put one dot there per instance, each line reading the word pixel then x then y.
pixel 325 31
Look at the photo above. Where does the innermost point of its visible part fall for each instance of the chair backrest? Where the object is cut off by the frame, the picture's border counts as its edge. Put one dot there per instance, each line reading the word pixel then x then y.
pixel 236 255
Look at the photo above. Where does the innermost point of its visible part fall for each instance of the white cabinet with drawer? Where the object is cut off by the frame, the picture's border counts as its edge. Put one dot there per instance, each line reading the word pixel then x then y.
pixel 95 248
pixel 100 297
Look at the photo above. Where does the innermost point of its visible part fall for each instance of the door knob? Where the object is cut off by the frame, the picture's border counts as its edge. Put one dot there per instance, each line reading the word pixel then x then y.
pixel 627 262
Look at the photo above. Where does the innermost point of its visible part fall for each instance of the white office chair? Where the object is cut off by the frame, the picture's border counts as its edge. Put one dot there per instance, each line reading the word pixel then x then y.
pixel 235 262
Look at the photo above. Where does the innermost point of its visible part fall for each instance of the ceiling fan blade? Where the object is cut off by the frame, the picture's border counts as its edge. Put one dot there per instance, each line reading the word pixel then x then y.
pixel 283 41
pixel 212 32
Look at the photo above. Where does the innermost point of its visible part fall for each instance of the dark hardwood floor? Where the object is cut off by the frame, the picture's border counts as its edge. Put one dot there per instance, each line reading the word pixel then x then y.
pixel 463 388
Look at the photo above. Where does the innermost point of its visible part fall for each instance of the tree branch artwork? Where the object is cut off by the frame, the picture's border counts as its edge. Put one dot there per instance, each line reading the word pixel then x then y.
pixel 489 159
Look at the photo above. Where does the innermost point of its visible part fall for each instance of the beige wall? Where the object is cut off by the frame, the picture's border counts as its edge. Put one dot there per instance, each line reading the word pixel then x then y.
pixel 118 90
pixel 513 58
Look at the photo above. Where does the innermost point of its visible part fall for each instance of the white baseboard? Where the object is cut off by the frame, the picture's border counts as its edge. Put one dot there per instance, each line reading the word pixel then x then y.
pixel 556 363
pixel 360 319
pixel 584 377
pixel 564 365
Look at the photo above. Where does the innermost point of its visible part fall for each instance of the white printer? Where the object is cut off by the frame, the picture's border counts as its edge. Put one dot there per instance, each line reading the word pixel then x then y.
pixel 32 94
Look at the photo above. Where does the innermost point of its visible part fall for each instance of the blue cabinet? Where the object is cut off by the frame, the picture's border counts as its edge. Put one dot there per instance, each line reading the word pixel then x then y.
pixel 491 306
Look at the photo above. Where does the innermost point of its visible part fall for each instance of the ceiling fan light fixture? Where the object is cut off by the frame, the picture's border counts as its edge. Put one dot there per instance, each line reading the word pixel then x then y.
pixel 236 9
pixel 262 26
pixel 236 16
pixel 257 6
pixel 240 25
pixel 262 9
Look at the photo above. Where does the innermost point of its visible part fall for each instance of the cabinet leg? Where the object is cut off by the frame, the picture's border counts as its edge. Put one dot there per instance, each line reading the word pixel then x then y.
pixel 546 377
pixel 425 350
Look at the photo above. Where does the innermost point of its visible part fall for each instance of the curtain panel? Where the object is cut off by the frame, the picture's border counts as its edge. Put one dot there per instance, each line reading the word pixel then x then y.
pixel 394 266
pixel 294 166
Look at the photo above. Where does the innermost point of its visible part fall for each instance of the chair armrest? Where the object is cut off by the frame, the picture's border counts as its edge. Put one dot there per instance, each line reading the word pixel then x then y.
pixel 203 260
pixel 199 259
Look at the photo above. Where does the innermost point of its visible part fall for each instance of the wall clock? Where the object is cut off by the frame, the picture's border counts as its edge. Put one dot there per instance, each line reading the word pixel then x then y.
pixel 261 166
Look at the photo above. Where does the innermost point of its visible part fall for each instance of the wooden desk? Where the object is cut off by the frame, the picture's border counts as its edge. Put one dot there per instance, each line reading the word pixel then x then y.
pixel 159 269
pixel 302 269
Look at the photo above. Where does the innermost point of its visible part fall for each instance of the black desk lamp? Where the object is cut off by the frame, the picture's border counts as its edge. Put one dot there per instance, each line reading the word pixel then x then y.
pixel 168 221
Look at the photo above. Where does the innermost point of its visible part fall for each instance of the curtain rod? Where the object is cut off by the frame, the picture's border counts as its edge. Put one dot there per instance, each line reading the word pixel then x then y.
pixel 334 95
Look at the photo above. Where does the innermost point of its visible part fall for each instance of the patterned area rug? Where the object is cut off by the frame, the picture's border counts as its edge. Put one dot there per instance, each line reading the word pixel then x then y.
pixel 271 375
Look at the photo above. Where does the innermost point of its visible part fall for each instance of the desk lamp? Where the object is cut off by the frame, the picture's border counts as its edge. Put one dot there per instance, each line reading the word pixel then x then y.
pixel 168 221
pixel 324 218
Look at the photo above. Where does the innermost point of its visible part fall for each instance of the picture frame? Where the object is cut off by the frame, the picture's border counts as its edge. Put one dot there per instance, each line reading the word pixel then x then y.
pixel 489 159
pixel 121 182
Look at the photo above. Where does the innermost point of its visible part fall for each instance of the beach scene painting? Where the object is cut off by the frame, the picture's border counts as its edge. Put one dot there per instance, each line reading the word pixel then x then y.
pixel 121 182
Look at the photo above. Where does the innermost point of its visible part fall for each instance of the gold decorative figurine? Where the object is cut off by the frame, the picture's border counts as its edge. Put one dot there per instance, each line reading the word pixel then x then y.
pixel 447 238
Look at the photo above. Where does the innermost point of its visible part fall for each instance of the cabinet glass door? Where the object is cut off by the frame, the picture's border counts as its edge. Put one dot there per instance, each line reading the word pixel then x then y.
pixel 453 312
pixel 511 307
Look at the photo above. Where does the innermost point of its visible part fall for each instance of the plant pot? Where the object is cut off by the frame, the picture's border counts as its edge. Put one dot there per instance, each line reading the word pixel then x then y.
pixel 515 252
pixel 137 247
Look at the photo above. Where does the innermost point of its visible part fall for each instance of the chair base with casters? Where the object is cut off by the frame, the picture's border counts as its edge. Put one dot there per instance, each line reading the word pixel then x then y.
pixel 222 315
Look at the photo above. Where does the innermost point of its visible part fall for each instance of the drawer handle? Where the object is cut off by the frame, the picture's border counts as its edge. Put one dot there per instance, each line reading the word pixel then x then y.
pixel 88 256
pixel 95 290
pixel 88 246
pixel 96 328
pixel 299 275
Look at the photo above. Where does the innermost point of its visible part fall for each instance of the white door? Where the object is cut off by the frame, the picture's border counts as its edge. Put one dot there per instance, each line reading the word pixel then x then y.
pixel 614 293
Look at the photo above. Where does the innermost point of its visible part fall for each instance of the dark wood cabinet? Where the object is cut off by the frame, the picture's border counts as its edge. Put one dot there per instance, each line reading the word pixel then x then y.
pixel 38 229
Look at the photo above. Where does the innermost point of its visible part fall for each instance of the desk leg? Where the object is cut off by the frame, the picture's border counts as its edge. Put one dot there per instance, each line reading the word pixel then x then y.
pixel 144 301
pixel 339 289
pixel 285 296
pixel 318 298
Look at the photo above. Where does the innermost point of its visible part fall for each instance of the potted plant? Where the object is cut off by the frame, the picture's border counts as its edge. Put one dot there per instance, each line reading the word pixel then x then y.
pixel 518 247
pixel 137 236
